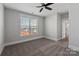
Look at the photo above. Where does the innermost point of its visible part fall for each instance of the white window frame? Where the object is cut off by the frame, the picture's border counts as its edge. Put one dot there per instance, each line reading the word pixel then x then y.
pixel 29 24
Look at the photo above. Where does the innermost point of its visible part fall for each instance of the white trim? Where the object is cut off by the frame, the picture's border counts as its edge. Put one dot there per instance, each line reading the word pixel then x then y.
pixel 73 47
pixel 55 39
pixel 1 49
pixel 12 43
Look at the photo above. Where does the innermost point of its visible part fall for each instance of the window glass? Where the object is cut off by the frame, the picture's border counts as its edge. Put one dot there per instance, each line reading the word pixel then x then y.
pixel 28 26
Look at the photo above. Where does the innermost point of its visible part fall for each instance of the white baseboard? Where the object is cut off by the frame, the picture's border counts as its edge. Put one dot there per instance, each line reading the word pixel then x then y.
pixel 75 48
pixel 55 39
pixel 1 49
pixel 12 43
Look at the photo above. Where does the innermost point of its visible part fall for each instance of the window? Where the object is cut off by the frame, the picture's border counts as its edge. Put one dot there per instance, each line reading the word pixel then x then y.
pixel 33 26
pixel 28 26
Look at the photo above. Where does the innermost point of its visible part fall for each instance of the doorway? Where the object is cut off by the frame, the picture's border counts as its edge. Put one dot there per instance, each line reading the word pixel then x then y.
pixel 62 25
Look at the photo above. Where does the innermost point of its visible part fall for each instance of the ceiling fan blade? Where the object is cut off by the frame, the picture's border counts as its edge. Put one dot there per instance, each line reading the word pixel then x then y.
pixel 48 8
pixel 49 4
pixel 39 6
pixel 41 9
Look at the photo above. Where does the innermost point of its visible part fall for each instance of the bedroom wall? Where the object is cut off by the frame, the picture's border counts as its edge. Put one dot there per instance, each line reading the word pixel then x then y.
pixel 12 24
pixel 51 26
pixel 1 27
pixel 74 26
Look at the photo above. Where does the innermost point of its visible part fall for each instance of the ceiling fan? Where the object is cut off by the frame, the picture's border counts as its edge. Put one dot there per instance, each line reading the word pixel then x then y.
pixel 43 5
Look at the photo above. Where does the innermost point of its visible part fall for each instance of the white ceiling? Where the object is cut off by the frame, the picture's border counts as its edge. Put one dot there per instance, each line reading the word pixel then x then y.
pixel 31 8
